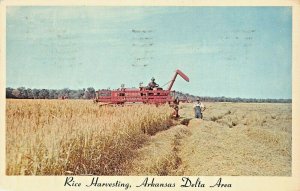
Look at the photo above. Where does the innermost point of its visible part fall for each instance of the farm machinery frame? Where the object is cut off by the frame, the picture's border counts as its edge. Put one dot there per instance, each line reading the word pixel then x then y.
pixel 143 94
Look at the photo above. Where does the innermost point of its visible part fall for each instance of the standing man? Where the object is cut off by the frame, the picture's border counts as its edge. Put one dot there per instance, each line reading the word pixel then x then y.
pixel 176 107
pixel 198 108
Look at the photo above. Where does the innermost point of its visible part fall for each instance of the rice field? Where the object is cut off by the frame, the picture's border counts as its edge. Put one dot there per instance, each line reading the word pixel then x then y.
pixel 233 139
pixel 77 137
pixel 61 137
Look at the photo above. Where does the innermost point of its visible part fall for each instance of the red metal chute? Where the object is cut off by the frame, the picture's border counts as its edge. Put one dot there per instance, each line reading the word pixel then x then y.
pixel 174 78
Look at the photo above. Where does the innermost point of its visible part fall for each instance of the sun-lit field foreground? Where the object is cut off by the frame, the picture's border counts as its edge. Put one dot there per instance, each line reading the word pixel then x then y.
pixel 233 139
pixel 56 137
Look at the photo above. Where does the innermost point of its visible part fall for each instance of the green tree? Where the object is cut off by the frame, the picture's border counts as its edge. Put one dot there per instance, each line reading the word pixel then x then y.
pixel 44 94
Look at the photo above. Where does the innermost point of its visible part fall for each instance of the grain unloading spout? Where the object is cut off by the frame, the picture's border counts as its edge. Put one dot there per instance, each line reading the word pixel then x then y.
pixel 183 75
pixel 174 78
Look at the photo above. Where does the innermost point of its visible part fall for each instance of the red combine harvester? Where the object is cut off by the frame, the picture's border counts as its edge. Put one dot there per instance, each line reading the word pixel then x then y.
pixel 146 94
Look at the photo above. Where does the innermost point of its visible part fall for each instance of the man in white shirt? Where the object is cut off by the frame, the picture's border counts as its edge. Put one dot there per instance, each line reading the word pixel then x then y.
pixel 198 108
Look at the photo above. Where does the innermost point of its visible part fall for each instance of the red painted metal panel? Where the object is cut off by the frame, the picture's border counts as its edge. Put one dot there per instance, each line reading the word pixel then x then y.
pixel 141 95
pixel 134 96
pixel 183 75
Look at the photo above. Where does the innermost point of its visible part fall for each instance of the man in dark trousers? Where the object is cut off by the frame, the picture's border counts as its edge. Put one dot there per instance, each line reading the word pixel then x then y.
pixel 198 108
pixel 176 107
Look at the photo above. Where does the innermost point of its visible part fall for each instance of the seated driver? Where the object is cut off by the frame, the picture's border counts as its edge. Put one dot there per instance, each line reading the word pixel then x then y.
pixel 152 84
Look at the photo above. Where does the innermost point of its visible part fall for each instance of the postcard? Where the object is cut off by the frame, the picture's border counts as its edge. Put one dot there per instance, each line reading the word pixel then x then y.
pixel 194 95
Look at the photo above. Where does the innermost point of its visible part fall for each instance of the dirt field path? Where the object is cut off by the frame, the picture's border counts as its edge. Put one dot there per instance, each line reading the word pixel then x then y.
pixel 238 139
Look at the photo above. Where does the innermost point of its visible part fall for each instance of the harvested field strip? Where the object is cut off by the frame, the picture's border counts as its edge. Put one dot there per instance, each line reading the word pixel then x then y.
pixel 216 150
pixel 268 138
pixel 160 156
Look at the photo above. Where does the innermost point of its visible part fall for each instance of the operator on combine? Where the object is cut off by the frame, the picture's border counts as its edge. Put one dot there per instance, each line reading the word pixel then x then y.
pixel 199 108
pixel 152 84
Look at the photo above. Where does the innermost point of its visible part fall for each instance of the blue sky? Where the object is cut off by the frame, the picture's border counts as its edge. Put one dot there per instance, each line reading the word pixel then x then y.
pixel 226 51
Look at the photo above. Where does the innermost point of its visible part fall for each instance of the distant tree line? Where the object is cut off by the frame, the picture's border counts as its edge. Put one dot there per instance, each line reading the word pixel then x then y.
pixel 186 96
pixel 66 93
pixel 90 93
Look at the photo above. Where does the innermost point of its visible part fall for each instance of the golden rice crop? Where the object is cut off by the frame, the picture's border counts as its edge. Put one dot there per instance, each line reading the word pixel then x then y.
pixel 160 155
pixel 239 139
pixel 59 137
pixel 68 137
pixel 233 139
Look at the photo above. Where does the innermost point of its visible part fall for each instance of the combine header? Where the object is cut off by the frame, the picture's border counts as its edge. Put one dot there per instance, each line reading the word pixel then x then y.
pixel 148 95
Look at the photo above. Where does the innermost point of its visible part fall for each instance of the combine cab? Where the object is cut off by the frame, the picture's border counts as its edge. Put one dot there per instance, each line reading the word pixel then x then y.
pixel 146 94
